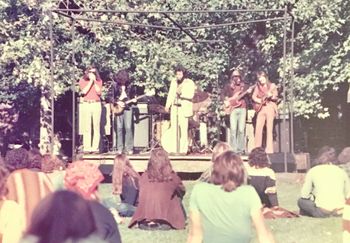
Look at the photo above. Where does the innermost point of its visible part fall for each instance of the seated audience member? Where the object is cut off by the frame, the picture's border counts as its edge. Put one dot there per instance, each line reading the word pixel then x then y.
pixel 83 177
pixel 219 148
pixel 34 159
pixel 325 187
pixel 125 183
pixel 53 167
pixel 224 210
pixel 62 217
pixel 26 185
pixel 261 177
pixel 344 160
pixel 11 217
pixel 161 191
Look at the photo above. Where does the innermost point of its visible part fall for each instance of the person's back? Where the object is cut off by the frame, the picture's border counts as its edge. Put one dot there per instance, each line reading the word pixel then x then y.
pixel 158 200
pixel 329 185
pixel 28 188
pixel 226 215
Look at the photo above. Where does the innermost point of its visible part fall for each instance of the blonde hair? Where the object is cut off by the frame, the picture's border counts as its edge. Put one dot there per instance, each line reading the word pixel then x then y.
pixel 121 168
pixel 219 148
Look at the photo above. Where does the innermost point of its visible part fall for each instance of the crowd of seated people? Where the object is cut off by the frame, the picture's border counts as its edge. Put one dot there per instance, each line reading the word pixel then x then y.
pixel 43 200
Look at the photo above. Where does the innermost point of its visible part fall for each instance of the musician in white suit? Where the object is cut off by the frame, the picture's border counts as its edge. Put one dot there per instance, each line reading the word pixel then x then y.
pixel 179 103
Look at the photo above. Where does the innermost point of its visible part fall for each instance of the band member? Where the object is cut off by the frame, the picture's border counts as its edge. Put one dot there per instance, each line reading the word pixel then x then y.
pixel 236 107
pixel 124 91
pixel 91 87
pixel 179 102
pixel 265 96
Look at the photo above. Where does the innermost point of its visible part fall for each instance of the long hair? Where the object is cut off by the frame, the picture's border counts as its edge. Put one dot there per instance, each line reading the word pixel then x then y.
pixel 16 159
pixel 60 216
pixel 122 77
pixel 159 168
pixel 91 69
pixel 326 155
pixel 263 74
pixel 121 168
pixel 218 149
pixel 228 171
pixel 258 158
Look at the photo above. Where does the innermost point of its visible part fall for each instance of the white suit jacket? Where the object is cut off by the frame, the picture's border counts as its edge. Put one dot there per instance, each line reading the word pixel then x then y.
pixel 185 101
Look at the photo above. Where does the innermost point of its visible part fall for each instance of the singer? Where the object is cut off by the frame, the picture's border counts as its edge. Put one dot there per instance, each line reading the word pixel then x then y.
pixel 179 103
pixel 91 87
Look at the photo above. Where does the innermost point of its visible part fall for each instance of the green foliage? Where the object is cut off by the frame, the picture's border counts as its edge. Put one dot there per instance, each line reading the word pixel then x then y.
pixel 321 57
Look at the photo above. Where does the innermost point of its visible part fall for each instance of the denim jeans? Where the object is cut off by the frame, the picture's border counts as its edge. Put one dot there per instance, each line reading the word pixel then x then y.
pixel 124 122
pixel 126 210
pixel 309 208
pixel 237 129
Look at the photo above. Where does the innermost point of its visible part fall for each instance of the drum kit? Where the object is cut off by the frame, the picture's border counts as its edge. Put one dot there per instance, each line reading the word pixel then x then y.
pixel 160 125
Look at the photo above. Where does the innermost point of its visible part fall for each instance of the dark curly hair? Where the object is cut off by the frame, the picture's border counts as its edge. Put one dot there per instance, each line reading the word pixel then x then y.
pixel 258 158
pixel 3 178
pixel 34 159
pixel 122 77
pixel 16 159
pixel 180 68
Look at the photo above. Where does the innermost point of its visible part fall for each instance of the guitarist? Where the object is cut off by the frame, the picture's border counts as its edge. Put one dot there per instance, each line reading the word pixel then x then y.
pixel 265 96
pixel 237 110
pixel 123 122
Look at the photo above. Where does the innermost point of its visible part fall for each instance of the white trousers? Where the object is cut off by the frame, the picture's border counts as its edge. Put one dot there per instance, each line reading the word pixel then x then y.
pixel 90 125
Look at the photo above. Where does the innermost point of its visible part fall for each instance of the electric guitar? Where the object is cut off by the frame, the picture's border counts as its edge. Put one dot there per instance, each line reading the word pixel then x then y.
pixel 258 106
pixel 118 109
pixel 235 101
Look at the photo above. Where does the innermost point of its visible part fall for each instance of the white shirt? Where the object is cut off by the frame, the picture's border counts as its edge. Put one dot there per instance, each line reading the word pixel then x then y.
pixel 329 184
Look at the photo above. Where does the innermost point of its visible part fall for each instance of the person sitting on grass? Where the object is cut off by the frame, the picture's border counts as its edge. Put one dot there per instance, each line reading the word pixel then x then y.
pixel 262 177
pixel 218 149
pixel 84 178
pixel 161 192
pixel 54 168
pixel 325 187
pixel 225 209
pixel 125 183
pixel 12 219
pixel 62 217
pixel 26 185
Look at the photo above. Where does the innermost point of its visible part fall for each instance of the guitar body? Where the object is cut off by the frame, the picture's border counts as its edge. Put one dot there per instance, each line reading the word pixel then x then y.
pixel 117 109
pixel 235 101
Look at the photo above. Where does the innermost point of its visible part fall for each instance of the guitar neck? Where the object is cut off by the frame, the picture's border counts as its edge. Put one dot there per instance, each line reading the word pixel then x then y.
pixel 138 97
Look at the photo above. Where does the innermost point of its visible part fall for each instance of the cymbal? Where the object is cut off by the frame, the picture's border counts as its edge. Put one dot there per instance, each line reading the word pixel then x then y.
pixel 200 96
pixel 155 108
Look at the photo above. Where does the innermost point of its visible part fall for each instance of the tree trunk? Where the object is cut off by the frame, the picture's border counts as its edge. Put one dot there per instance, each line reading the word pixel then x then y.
pixel 46 127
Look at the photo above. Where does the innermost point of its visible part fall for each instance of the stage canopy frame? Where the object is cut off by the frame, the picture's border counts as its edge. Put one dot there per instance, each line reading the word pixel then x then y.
pixel 78 15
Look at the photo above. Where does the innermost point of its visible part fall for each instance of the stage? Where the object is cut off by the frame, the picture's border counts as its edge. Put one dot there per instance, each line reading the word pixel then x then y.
pixel 192 163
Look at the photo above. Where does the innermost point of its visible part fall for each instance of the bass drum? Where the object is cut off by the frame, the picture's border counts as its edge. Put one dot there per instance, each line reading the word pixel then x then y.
pixel 168 140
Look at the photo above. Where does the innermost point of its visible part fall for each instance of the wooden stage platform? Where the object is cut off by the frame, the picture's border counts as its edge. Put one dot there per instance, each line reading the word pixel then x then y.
pixel 196 163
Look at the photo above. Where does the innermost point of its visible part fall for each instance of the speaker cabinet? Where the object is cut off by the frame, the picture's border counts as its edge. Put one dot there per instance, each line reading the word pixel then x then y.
pixel 277 162
pixel 141 126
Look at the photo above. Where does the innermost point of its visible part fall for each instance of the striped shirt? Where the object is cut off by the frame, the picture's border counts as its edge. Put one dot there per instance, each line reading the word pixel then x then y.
pixel 27 188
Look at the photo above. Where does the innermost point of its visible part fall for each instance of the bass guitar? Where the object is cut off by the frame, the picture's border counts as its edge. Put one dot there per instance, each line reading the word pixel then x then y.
pixel 118 109
pixel 235 101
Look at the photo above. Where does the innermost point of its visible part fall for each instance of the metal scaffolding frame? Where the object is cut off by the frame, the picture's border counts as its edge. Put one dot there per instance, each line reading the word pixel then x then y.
pixel 67 13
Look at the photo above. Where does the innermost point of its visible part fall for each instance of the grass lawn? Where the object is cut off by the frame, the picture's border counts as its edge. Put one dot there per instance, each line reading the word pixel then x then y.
pixel 296 230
